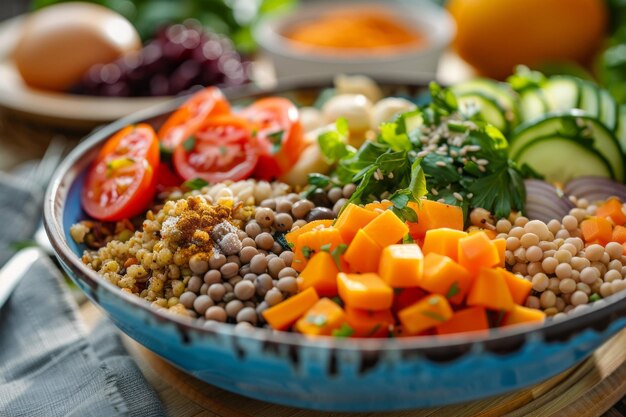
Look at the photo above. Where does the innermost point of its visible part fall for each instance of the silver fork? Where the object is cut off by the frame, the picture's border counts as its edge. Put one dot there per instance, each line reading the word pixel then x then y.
pixel 15 268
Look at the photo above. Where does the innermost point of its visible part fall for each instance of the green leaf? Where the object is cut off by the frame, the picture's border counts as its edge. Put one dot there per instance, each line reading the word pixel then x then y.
pixel 195 184
pixel 400 200
pixel 23 244
pixel 190 143
pixel 433 315
pixel 318 180
pixel 326 247
pixel 276 139
pixel 389 135
pixel 337 252
pixel 344 331
pixel 407 214
pixel 342 126
pixel 334 146
pixel 307 251
pixel 440 169
pixel 407 239
pixel 392 162
pixel 453 290
pixel 417 186
pixel 524 78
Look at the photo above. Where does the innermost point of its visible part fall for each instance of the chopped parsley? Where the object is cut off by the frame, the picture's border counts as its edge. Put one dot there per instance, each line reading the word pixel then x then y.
pixel 344 331
pixel 195 184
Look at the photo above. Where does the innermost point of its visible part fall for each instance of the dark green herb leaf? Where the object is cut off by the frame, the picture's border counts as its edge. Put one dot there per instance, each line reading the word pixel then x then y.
pixel 344 331
pixel 396 141
pixel 407 239
pixel 190 143
pixel 325 248
pixel 307 251
pixel 453 290
pixel 337 301
pixel 318 180
pixel 276 139
pixel 23 244
pixel 373 330
pixel 433 315
pixel 195 184
pixel 392 162
pixel 337 252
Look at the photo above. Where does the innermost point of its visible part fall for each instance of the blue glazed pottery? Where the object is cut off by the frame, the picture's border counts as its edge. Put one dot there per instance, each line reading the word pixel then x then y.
pixel 325 373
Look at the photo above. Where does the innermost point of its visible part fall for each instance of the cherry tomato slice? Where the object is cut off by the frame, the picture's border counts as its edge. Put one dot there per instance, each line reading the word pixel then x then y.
pixel 223 149
pixel 121 181
pixel 166 178
pixel 276 121
pixel 184 121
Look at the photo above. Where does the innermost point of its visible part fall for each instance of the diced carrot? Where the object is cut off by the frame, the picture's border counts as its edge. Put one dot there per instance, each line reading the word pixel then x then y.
pixel 471 319
pixel 429 312
pixel 386 229
pixel 365 291
pixel 443 241
pixel 284 314
pixel 596 229
pixel 613 209
pixel 401 266
pixel 321 319
pixel 490 291
pixel 369 323
pixel 518 287
pixel 363 253
pixel 491 234
pixel 404 297
pixel 320 273
pixel 501 246
pixel 353 218
pixel 445 277
pixel 521 315
pixel 434 215
pixel 619 234
pixel 292 237
pixel 478 251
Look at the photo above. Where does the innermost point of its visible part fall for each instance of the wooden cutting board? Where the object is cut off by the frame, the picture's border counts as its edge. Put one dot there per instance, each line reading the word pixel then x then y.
pixel 587 390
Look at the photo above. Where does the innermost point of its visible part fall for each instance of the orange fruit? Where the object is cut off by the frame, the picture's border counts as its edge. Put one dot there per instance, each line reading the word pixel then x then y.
pixel 496 35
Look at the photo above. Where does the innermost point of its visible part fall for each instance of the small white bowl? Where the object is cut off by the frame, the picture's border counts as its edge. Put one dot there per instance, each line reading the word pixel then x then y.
pixel 293 59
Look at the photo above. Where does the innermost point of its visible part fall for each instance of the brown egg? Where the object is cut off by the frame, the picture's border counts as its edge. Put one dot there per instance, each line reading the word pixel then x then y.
pixel 61 42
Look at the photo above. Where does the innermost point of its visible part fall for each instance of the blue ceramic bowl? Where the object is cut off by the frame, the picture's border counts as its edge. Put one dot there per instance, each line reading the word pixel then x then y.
pixel 325 373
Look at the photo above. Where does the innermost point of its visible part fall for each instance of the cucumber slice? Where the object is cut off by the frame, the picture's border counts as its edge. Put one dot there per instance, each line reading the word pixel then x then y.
pixel 500 92
pixel 608 108
pixel 561 93
pixel 559 159
pixel 589 98
pixel 486 106
pixel 574 124
pixel 532 104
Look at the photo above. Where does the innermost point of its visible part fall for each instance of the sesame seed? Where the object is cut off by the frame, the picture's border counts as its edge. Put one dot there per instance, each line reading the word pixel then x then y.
pixel 422 154
pixel 441 200
pixel 457 196
pixel 434 191
pixel 482 168
pixel 482 162
pixel 454 153
pixel 440 164
pixel 473 148
pixel 390 175
pixel 470 196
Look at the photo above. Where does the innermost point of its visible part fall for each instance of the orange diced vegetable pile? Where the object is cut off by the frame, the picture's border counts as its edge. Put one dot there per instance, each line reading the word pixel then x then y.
pixel 376 282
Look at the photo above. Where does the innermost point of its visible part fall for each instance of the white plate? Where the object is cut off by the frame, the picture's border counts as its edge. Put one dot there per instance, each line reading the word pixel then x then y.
pixel 57 108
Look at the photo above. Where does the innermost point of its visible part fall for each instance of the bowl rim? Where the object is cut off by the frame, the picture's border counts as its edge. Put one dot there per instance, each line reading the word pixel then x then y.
pixel 588 318
pixel 268 32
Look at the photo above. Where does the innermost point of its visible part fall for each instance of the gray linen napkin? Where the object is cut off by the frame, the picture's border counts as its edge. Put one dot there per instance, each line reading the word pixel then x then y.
pixel 49 366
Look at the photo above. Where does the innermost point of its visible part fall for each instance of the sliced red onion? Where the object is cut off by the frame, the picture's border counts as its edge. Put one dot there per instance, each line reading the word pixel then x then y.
pixel 545 202
pixel 595 188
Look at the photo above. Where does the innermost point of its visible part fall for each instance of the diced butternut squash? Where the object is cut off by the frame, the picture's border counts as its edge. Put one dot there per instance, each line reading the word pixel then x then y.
pixel 366 291
pixel 314 241
pixel 386 229
pixel 363 253
pixel 283 315
pixel 445 277
pixel 378 206
pixel 328 238
pixel 522 315
pixel 473 319
pixel 478 251
pixel 401 266
pixel 352 219
pixel 321 319
pixel 596 229
pixel 613 209
pixel 292 237
pixel 490 290
pixel 491 234
pixel 443 241
pixel 619 234
pixel 431 311
pixel 518 287
pixel 501 246
pixel 404 297
pixel 434 215
pixel 369 323
pixel 321 273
